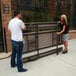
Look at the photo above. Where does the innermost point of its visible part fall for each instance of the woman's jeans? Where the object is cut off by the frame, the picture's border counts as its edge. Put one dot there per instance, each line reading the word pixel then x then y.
pixel 17 50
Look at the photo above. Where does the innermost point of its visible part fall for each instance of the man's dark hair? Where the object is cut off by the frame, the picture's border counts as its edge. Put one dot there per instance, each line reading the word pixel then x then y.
pixel 16 12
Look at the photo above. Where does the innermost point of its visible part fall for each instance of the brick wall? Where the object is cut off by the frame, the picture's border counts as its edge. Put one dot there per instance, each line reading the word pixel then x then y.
pixel 5 20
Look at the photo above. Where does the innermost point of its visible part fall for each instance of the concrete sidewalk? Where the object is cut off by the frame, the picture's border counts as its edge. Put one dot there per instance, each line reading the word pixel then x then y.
pixel 53 65
pixel 4 55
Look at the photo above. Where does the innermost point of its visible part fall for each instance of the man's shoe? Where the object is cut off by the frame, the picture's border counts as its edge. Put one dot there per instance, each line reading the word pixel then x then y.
pixel 22 70
pixel 13 66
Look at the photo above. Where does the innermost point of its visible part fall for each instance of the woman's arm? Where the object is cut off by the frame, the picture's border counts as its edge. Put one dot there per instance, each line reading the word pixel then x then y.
pixel 61 31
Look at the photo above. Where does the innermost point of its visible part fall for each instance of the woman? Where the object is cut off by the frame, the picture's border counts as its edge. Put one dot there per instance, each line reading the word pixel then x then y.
pixel 64 30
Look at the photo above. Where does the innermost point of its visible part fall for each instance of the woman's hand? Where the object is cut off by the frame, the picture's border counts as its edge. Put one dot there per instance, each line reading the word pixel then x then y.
pixel 58 33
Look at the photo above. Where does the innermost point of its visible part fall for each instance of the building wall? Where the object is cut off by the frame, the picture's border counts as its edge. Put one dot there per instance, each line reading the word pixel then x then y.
pixel 53 10
pixel 5 20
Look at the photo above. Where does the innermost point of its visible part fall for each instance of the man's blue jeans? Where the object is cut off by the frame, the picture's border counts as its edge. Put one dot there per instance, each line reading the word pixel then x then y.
pixel 17 50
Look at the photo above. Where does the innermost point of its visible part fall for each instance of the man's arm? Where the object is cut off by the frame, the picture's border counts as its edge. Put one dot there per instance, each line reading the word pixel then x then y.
pixel 24 27
pixel 8 28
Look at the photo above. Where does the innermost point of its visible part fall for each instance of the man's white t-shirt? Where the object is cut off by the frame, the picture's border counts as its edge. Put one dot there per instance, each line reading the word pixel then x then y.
pixel 15 26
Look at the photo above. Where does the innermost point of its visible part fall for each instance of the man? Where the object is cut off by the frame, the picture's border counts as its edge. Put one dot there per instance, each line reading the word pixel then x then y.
pixel 16 26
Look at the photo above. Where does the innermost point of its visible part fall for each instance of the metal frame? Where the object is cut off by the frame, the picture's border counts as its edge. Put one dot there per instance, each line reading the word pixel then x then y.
pixel 37 48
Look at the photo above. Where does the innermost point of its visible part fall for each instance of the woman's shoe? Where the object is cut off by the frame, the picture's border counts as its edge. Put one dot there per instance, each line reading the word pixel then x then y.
pixel 64 52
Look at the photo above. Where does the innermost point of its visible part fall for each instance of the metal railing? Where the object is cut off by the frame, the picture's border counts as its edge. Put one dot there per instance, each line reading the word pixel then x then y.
pixel 38 37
